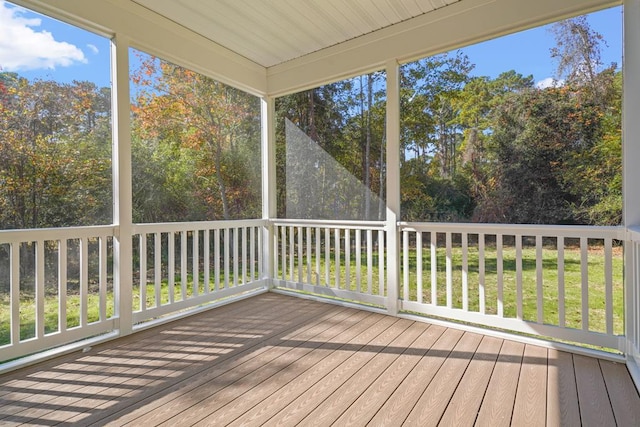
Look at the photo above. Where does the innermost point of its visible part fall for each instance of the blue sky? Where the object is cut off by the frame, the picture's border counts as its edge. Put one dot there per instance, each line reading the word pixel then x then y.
pixel 527 52
pixel 38 47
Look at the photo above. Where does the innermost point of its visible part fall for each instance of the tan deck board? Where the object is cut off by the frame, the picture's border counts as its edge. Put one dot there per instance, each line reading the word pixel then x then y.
pixel 531 396
pixel 340 400
pixel 403 399
pixel 368 403
pixel 435 399
pixel 497 406
pixel 301 353
pixel 236 365
pixel 623 395
pixel 266 409
pixel 71 377
pixel 279 360
pixel 297 410
pixel 465 403
pixel 562 396
pixel 595 407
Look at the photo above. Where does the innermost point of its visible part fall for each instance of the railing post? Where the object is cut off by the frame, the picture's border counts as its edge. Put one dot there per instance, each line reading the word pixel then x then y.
pixel 631 177
pixel 122 195
pixel 393 185
pixel 269 212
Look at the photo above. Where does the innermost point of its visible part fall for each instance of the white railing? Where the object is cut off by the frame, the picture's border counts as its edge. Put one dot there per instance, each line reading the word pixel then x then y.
pixel 560 282
pixel 183 265
pixel 341 259
pixel 55 287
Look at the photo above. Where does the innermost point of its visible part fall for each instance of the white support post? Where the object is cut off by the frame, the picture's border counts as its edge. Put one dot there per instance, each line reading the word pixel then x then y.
pixel 122 195
pixel 631 177
pixel 268 149
pixel 393 185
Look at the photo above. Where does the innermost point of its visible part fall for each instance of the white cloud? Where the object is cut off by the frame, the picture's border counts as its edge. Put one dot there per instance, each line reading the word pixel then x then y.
pixel 23 47
pixel 549 82
pixel 93 49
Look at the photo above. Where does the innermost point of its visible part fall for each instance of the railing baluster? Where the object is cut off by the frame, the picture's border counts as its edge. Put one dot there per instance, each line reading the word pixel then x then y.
pixel 608 280
pixel 157 266
pixel 369 261
pixel 195 263
pixel 327 256
pixel 500 274
pixel 561 293
pixel 300 251
pixel 14 281
pixel 449 272
pixel 481 274
pixel 206 258
pixel 216 259
pixel 518 239
pixel 584 274
pixel 84 281
pixel 359 261
pixel 292 254
pixel 539 288
pixel 283 242
pixel 405 265
pixel 309 245
pixel 244 255
pixel 434 267
pixel 258 249
pixel 62 285
pixel 465 271
pixel 143 271
pixel 347 259
pixel 236 238
pixel 318 238
pixel 103 257
pixel 419 266
pixel 171 270
pixel 336 233
pixel 381 264
pixel 252 251
pixel 226 247
pixel 184 252
pixel 40 283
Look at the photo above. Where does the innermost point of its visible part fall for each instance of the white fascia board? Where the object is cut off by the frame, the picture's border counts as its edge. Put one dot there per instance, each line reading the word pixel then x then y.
pixel 459 24
pixel 158 36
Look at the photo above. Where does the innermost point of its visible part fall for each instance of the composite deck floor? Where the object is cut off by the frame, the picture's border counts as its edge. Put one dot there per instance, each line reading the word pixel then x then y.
pixel 279 360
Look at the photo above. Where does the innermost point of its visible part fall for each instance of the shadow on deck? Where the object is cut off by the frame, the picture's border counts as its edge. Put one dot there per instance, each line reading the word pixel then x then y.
pixel 281 360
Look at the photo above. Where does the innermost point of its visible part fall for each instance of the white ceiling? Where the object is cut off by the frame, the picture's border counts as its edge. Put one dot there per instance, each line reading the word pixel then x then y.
pixel 270 32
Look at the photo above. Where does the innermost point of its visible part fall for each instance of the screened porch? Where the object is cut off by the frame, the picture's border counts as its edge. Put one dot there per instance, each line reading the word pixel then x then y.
pixel 293 315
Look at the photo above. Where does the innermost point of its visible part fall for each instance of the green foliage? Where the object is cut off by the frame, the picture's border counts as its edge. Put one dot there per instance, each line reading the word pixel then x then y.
pixel 473 148
pixel 196 146
pixel 55 154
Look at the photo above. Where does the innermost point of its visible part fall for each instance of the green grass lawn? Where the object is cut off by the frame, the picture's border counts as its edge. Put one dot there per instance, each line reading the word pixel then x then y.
pixel 572 277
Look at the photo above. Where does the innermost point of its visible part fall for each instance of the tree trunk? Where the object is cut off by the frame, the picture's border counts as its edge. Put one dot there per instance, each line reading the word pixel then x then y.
pixel 221 186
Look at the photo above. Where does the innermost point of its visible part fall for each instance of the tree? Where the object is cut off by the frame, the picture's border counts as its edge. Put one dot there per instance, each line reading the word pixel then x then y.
pixel 54 169
pixel 537 136
pixel 578 53
pixel 432 137
pixel 214 130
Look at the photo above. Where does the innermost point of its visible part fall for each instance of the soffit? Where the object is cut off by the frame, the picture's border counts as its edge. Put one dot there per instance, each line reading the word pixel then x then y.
pixel 271 32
